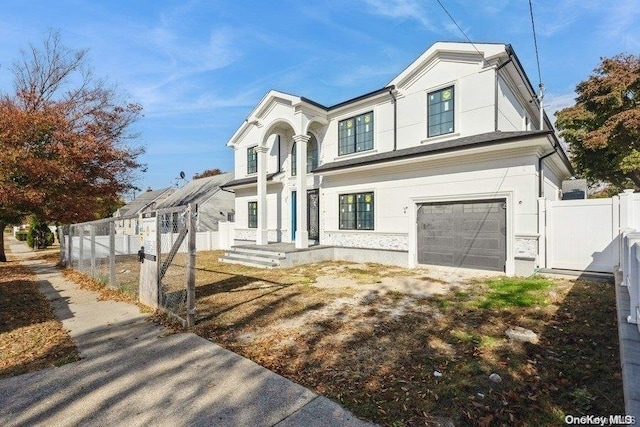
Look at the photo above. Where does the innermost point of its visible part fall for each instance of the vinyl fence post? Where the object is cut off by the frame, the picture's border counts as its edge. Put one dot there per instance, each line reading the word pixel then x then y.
pixel 112 254
pixel 70 247
pixel 81 248
pixel 191 266
pixel 92 236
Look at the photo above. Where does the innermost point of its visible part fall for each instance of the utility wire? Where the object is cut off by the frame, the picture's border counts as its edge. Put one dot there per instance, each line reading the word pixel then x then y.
pixel 535 43
pixel 456 24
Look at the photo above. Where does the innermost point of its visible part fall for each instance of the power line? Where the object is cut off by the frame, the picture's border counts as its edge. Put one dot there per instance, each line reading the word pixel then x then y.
pixel 456 24
pixel 535 43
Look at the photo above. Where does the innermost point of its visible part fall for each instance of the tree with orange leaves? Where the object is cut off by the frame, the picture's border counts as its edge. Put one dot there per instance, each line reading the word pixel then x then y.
pixel 64 139
pixel 603 127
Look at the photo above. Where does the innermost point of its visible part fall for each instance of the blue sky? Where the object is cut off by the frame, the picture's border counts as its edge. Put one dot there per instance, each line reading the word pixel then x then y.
pixel 199 67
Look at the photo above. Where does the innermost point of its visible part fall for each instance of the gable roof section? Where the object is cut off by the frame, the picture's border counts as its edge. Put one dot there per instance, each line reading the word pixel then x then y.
pixel 474 141
pixel 462 50
pixel 143 200
pixel 196 191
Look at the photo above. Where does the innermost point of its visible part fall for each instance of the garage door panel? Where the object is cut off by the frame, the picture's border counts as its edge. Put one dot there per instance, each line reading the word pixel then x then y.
pixel 482 244
pixel 472 226
pixel 469 234
pixel 482 262
pixel 439 242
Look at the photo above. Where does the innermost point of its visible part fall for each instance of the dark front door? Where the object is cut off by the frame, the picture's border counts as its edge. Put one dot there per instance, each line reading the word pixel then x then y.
pixel 463 234
pixel 313 214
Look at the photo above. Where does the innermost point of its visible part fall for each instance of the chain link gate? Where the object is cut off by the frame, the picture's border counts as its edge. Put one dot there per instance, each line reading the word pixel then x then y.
pixel 168 257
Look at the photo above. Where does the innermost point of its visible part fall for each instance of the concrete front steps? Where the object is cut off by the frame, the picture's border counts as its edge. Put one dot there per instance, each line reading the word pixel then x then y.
pixel 274 255
pixel 254 257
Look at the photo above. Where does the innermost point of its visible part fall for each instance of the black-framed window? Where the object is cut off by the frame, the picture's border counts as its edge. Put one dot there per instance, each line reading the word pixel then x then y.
pixel 312 156
pixel 253 214
pixel 355 134
pixel 441 112
pixel 356 211
pixel 252 160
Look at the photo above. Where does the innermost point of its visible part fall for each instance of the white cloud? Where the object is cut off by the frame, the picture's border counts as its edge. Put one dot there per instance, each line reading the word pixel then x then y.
pixel 402 9
pixel 620 23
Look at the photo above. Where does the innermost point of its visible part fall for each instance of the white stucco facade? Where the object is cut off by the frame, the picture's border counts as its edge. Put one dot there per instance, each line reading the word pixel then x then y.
pixel 491 151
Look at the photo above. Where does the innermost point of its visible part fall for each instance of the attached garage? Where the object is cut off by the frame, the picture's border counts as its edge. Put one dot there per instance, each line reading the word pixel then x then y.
pixel 469 234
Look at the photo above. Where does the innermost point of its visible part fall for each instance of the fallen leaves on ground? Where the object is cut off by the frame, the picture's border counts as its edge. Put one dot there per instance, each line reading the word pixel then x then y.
pixel 31 337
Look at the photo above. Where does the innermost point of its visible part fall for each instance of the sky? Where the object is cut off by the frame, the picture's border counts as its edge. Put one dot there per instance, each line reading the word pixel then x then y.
pixel 198 68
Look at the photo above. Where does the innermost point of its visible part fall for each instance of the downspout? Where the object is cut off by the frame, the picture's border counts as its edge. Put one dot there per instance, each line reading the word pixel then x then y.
pixel 395 119
pixel 540 170
pixel 495 100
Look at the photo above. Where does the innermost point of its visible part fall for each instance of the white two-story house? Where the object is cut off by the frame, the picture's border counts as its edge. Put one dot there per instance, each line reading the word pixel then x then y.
pixel 444 166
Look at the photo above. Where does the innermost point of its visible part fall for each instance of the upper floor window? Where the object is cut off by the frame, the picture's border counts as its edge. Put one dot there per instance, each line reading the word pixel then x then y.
pixel 312 156
pixel 440 112
pixel 252 160
pixel 355 134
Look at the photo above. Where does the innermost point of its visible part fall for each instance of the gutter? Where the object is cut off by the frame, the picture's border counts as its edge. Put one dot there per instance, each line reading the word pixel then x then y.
pixel 395 118
pixel 495 103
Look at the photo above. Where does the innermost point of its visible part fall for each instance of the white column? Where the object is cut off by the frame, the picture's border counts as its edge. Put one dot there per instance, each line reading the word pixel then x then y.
pixel 262 232
pixel 302 235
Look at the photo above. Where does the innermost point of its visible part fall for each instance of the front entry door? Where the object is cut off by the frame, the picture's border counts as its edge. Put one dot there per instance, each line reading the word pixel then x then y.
pixel 313 214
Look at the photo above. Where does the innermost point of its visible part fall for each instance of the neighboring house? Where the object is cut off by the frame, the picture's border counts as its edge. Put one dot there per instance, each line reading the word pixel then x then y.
pixel 214 204
pixel 146 201
pixel 444 165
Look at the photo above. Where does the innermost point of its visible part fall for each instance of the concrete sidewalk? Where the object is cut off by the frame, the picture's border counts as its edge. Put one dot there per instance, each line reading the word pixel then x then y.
pixel 133 372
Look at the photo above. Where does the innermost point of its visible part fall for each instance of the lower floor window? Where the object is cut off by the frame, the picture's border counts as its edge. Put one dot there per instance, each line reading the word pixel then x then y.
pixel 356 211
pixel 253 214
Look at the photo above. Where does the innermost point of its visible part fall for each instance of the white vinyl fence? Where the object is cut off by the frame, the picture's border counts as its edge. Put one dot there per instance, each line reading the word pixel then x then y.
pixel 585 235
pixel 81 246
pixel 107 249
pixel 630 268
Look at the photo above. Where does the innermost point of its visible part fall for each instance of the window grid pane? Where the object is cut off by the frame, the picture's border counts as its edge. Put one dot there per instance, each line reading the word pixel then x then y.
pixel 252 160
pixel 356 211
pixel 355 134
pixel 253 214
pixel 441 112
pixel 294 160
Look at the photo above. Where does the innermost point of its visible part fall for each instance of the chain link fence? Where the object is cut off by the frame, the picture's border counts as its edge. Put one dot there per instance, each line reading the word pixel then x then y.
pixel 155 251
pixel 106 250
pixel 173 261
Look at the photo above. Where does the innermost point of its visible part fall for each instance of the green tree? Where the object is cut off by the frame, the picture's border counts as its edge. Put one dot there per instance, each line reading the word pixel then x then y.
pixel 603 127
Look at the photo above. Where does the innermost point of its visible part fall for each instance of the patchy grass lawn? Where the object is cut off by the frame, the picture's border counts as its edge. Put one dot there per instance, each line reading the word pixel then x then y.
pixel 401 357
pixel 31 337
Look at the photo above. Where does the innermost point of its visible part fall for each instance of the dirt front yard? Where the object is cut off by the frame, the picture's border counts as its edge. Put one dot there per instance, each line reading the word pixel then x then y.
pixel 420 347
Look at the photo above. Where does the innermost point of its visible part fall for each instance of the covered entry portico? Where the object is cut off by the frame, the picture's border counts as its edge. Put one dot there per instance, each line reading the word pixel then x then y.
pixel 283 141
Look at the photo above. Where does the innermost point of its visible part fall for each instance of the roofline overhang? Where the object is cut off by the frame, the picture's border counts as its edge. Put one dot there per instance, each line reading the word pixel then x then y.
pixel 249 182
pixel 491 145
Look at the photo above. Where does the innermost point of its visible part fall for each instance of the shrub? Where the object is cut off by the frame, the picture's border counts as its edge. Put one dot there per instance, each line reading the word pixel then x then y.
pixel 21 235
pixel 39 231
